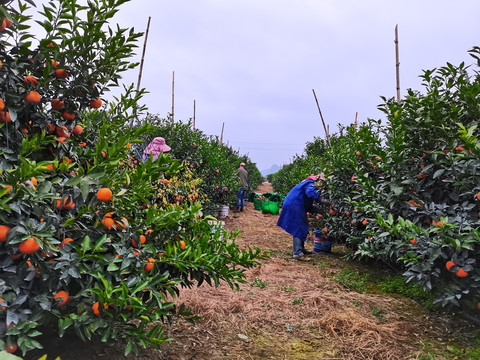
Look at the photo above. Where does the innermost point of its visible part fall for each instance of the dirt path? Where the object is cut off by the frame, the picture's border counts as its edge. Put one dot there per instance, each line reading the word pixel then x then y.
pixel 291 310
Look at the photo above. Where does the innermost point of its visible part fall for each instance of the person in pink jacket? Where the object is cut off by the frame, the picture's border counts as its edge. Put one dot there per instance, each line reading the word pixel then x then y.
pixel 157 146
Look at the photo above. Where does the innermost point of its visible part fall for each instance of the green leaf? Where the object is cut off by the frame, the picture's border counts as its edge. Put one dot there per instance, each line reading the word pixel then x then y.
pixel 86 244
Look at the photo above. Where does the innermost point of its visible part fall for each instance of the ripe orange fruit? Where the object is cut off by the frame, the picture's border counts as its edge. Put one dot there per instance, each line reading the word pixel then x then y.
pixel 478 195
pixel 61 139
pixel 9 188
pixel 30 79
pixel 149 265
pixel 449 264
pixel 104 194
pixel 413 241
pixel 108 222
pixel 62 131
pixel 325 229
pixel 54 63
pixel 29 246
pixel 33 97
pixel 2 105
pixel 68 115
pixel 3 232
pixel 95 104
pixel 143 239
pixel 95 308
pixel 66 241
pixel 5 117
pixel 61 73
pixel 358 153
pixel 34 181
pixel 50 128
pixel 165 181
pixel 57 104
pixel 364 222
pixel 3 307
pixel 12 349
pixel 67 204
pixel 62 295
pixel 122 223
pixel 49 167
pixel 77 130
pixel 182 244
pixel 461 273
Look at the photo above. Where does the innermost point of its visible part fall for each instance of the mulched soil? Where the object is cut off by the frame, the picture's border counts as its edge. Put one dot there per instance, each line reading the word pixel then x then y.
pixel 287 309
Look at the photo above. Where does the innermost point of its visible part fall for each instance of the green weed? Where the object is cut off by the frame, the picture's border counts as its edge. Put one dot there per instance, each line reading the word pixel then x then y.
pixel 259 283
pixel 287 287
pixel 297 301
pixel 353 280
pixel 378 313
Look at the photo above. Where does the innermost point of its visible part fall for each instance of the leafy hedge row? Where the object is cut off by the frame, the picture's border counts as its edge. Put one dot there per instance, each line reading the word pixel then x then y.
pixel 215 163
pixel 408 192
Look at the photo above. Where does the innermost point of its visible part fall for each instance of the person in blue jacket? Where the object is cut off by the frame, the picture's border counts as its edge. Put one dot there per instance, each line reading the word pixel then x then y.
pixel 293 217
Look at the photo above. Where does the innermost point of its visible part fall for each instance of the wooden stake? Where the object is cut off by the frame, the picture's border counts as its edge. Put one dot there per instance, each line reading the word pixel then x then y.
pixel 355 125
pixel 173 96
pixel 321 117
pixel 141 62
pixel 397 58
pixel 193 115
pixel 221 136
pixel 143 54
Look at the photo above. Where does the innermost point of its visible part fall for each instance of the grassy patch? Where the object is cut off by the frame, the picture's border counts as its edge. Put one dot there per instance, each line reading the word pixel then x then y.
pixel 398 285
pixel 353 280
pixel 429 352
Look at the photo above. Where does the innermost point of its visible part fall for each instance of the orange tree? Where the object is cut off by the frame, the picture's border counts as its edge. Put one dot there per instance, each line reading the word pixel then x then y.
pixel 209 161
pixel 407 193
pixel 101 266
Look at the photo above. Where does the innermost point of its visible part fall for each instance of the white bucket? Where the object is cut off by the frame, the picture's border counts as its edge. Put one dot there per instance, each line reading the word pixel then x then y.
pixel 223 213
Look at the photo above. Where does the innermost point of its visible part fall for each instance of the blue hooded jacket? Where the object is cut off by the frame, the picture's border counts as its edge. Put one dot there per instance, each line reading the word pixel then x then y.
pixel 293 218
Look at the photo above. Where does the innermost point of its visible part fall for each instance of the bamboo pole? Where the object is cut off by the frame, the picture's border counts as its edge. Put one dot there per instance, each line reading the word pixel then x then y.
pixel 221 136
pixel 355 125
pixel 173 96
pixel 321 117
pixel 397 60
pixel 143 54
pixel 141 62
pixel 193 115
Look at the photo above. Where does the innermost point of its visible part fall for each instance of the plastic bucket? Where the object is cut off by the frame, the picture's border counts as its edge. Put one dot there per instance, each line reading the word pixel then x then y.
pixel 223 213
pixel 322 244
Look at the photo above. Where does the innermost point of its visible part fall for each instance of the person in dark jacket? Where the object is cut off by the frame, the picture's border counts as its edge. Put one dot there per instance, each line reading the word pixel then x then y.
pixel 242 186
pixel 293 217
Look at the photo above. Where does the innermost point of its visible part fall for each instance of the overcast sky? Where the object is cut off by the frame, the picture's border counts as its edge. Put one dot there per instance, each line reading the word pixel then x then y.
pixel 252 64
